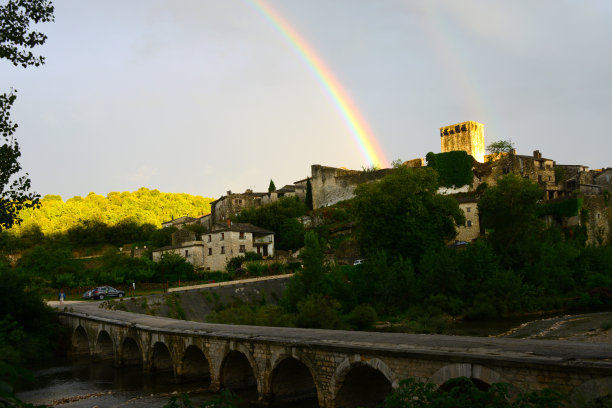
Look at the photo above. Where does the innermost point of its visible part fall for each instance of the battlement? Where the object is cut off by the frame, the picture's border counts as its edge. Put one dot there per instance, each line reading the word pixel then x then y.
pixel 470 125
pixel 466 136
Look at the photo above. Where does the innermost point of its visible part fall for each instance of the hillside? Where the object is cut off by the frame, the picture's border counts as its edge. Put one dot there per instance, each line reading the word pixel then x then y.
pixel 143 206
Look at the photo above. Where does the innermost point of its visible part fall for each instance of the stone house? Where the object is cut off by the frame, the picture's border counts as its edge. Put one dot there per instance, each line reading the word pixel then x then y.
pixel 535 168
pixel 212 250
pixel 603 178
pixel 232 203
pixel 192 251
pixel 238 238
pixel 471 230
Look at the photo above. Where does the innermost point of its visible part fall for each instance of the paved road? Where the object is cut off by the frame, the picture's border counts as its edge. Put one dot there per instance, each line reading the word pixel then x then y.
pixel 518 350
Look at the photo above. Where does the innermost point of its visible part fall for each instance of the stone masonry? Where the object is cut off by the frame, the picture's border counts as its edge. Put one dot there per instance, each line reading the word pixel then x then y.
pixel 342 369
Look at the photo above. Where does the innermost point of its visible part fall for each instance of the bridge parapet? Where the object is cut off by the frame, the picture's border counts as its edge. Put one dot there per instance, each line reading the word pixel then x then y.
pixel 339 368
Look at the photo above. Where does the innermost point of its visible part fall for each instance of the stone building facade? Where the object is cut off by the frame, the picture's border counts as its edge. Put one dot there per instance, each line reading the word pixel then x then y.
pixel 603 178
pixel 212 250
pixel 535 168
pixel 223 244
pixel 466 136
pixel 192 251
pixel 471 230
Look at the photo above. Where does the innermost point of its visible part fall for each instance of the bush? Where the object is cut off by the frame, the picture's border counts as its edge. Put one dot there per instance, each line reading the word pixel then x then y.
pixel 319 312
pixel 363 317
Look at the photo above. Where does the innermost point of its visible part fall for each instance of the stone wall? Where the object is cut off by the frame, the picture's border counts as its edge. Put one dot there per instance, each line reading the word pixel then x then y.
pixel 471 230
pixel 598 219
pixel 466 136
pixel 331 185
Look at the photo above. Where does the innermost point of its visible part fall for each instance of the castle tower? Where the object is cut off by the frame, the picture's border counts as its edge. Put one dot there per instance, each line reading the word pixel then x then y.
pixel 467 136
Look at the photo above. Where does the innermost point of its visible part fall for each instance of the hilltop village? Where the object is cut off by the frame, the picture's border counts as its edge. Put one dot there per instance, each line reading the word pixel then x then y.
pixel 329 185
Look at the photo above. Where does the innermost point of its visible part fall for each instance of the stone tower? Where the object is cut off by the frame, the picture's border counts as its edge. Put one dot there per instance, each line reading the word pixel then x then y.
pixel 467 136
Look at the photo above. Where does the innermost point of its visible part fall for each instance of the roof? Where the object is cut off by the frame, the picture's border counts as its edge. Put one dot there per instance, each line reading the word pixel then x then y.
pixel 169 247
pixel 243 227
pixel 182 219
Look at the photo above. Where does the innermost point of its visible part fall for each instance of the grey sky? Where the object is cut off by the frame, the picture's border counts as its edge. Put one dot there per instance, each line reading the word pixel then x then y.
pixel 206 96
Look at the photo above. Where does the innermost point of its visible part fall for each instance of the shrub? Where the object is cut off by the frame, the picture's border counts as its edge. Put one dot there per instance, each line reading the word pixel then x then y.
pixel 363 317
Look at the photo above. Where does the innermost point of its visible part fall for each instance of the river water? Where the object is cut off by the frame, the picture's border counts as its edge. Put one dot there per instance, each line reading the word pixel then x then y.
pixel 85 384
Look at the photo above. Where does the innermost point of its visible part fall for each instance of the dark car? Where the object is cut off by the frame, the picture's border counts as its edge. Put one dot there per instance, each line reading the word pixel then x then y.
pixel 102 292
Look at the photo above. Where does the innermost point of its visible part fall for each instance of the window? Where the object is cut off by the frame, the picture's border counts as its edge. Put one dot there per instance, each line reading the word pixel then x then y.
pixel 222 236
pixel 186 253
pixel 469 209
pixel 506 170
pixel 539 178
pixel 242 249
pixel 209 251
pixel 222 250
pixel 209 238
pixel 242 235
pixel 469 223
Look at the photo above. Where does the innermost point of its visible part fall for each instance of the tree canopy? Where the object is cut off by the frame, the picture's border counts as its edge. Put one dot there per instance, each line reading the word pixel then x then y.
pixel 510 209
pixel 140 207
pixel 403 215
pixel 501 146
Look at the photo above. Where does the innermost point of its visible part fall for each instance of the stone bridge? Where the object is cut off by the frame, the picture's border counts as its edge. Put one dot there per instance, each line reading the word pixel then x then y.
pixel 338 368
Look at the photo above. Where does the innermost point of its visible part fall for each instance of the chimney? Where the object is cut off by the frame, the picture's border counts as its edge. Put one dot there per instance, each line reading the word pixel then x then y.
pixel 229 192
pixel 537 154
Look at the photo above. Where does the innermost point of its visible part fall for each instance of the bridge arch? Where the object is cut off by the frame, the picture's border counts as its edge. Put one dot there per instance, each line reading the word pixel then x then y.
pixel 131 352
pixel 592 390
pixel 104 348
pixel 484 377
pixel 292 377
pixel 80 342
pixel 195 364
pixel 361 382
pixel 161 359
pixel 238 369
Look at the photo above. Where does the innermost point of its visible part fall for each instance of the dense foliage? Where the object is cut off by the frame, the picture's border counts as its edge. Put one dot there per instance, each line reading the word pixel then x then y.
pixel 415 280
pixel 143 206
pixel 402 214
pixel 281 217
pixel 463 393
pixel 454 168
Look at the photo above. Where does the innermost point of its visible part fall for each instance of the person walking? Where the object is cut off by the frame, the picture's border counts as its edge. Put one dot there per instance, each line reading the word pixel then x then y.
pixel 62 296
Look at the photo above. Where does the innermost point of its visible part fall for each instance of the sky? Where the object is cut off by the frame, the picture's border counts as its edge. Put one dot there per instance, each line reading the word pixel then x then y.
pixel 205 96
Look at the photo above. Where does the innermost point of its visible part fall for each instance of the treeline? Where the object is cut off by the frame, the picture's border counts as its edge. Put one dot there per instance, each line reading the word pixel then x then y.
pixel 411 277
pixel 143 206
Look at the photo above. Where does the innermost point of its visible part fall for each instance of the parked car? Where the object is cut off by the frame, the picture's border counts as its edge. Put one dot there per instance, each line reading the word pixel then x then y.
pixel 102 292
pixel 358 262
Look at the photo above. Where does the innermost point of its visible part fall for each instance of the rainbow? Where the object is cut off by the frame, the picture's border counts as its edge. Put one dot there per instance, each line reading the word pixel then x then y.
pixel 367 143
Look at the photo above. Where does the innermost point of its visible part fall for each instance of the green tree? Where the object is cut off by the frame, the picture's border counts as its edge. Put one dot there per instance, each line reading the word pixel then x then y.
pixel 16 40
pixel 403 215
pixel 276 217
pixel 510 210
pixel 501 146
pixel 271 187
pixel 308 200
